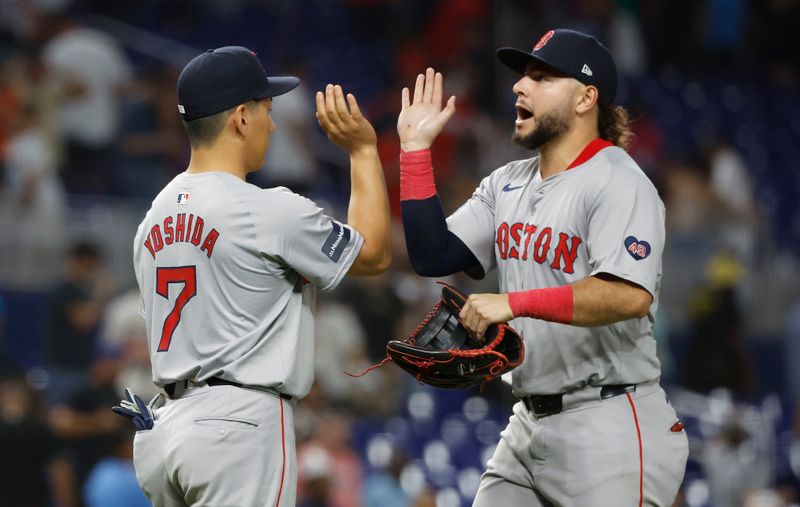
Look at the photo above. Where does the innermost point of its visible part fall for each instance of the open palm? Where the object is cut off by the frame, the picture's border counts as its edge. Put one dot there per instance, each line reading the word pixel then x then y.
pixel 421 121
pixel 343 121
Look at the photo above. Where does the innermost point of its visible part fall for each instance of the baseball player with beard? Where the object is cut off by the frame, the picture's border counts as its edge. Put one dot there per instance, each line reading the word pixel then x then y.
pixel 228 275
pixel 576 234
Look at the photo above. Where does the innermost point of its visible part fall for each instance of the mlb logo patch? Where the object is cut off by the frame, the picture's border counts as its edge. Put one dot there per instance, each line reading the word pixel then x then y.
pixel 183 198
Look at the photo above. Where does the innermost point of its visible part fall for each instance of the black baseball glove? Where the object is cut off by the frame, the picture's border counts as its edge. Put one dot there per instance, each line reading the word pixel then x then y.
pixel 440 352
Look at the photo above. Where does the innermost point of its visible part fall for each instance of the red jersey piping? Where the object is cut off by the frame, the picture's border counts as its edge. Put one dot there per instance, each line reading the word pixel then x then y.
pixel 590 151
pixel 283 453
pixel 641 457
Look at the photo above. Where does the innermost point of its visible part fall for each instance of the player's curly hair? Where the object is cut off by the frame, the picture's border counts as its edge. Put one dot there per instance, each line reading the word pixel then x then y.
pixel 613 124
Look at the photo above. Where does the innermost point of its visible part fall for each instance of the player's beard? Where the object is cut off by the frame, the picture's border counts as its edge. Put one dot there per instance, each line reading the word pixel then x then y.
pixel 549 126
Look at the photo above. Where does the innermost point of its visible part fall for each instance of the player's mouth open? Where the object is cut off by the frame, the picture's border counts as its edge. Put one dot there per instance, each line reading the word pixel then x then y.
pixel 523 114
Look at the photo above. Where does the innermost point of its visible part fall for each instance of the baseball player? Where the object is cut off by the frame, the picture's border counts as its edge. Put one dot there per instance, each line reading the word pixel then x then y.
pixel 228 274
pixel 576 234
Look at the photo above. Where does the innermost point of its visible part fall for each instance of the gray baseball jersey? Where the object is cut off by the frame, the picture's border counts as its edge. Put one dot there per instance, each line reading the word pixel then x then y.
pixel 228 274
pixel 602 215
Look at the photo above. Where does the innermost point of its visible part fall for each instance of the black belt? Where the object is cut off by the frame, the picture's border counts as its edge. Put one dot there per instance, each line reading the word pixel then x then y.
pixel 213 381
pixel 543 405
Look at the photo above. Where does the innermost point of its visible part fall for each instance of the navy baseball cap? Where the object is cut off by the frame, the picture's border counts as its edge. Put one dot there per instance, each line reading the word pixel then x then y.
pixel 225 77
pixel 575 54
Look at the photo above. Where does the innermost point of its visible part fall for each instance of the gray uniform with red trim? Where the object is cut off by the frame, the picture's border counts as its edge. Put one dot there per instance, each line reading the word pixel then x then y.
pixel 602 215
pixel 228 275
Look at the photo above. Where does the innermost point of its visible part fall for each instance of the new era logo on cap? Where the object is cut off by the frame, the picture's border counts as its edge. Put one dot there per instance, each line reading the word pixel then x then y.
pixel 586 70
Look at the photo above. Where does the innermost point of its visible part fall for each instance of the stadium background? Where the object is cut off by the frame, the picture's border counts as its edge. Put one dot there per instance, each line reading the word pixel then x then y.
pixel 89 134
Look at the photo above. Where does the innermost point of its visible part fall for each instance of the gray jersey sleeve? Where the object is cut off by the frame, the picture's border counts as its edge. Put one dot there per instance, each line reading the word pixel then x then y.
pixel 473 223
pixel 318 247
pixel 625 230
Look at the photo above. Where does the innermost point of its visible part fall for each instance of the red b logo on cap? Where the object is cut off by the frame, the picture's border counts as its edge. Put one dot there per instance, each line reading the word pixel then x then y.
pixel 546 37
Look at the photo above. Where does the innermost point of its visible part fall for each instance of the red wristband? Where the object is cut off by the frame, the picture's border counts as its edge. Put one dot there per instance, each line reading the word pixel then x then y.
pixel 416 175
pixel 553 304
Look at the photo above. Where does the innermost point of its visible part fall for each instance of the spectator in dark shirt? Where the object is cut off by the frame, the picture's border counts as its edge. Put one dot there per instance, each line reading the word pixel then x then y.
pixel 88 429
pixel 26 443
pixel 717 356
pixel 75 309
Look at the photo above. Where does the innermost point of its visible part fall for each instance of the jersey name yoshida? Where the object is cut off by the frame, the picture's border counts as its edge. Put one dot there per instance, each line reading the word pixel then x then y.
pixel 525 242
pixel 182 228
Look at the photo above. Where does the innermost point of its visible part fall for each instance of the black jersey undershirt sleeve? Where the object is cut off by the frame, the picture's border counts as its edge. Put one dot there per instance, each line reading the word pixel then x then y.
pixel 432 248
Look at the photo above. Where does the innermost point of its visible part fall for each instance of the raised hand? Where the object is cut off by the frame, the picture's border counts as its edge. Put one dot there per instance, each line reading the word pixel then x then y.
pixel 346 128
pixel 422 119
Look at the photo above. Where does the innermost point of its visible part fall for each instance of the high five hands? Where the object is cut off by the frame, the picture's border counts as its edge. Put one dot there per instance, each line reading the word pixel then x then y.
pixel 343 121
pixel 422 118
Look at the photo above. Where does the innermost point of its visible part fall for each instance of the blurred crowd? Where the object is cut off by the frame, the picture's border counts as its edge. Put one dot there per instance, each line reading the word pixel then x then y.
pixel 89 134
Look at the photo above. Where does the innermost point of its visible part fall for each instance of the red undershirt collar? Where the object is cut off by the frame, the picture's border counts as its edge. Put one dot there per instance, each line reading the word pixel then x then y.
pixel 590 151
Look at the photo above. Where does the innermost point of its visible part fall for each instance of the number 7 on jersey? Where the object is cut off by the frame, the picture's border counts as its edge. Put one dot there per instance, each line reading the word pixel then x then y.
pixel 187 275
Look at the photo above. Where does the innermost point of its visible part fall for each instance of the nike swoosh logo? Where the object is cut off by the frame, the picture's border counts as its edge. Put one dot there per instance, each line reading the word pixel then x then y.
pixel 509 188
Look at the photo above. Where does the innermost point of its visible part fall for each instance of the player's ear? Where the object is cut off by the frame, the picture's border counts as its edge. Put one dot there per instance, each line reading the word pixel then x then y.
pixel 241 119
pixel 586 98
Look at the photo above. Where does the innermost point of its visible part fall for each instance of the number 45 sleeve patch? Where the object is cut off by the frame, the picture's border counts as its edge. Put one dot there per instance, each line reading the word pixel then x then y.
pixel 336 242
pixel 637 248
